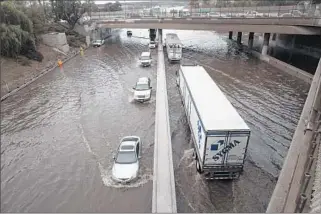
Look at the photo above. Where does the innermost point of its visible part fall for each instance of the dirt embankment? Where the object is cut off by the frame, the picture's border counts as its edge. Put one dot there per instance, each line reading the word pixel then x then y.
pixel 16 72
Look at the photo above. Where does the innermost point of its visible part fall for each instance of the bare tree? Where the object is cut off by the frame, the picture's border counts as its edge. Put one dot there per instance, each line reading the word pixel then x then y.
pixel 68 10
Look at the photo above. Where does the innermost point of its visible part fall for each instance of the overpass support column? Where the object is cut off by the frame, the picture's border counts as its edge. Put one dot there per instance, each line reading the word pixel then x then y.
pixel 266 43
pixel 230 35
pixel 251 38
pixel 239 37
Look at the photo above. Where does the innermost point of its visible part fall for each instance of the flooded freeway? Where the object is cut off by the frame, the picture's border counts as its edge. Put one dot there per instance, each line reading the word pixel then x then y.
pixel 59 134
pixel 269 100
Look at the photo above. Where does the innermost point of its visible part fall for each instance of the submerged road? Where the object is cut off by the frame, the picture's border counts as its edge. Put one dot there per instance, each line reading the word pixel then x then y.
pixel 269 100
pixel 58 135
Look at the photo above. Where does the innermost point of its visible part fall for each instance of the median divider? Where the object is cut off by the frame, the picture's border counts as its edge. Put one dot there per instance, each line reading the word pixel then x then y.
pixel 164 195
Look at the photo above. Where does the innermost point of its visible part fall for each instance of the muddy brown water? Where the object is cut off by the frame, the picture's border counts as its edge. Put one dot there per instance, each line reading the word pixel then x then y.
pixel 58 135
pixel 269 100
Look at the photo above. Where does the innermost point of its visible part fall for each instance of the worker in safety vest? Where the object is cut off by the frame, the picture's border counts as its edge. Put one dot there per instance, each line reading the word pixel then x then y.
pixel 59 63
pixel 81 51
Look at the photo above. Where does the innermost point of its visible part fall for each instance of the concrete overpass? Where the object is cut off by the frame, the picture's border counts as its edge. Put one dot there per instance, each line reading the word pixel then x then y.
pixel 260 25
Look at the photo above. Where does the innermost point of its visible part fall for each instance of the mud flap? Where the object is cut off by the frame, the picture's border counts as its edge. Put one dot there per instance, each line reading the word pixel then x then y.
pixel 198 166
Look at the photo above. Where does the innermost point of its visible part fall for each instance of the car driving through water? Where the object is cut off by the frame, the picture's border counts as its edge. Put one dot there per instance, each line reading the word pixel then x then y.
pixel 126 161
pixel 145 59
pixel 98 43
pixel 143 89
pixel 152 44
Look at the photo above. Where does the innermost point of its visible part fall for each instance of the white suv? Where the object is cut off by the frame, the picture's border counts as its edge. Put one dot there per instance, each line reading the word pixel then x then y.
pixel 152 44
pixel 143 90
pixel 145 59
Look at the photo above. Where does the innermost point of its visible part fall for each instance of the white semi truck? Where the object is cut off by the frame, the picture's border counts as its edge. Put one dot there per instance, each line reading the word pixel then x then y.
pixel 219 133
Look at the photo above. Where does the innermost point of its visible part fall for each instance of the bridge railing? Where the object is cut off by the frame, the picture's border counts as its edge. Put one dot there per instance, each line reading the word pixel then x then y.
pixel 276 11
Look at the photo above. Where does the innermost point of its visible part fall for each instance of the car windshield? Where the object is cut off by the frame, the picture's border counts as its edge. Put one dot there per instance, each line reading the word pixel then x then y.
pixel 126 157
pixel 145 58
pixel 98 41
pixel 152 42
pixel 140 87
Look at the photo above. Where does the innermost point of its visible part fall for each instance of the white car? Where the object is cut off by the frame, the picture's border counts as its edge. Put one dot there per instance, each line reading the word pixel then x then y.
pixel 152 44
pixel 145 59
pixel 126 161
pixel 142 90
pixel 98 43
pixel 252 14
pixel 296 13
pixel 216 15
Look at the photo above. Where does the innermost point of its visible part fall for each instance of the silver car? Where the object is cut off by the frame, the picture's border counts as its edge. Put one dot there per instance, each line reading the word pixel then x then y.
pixel 126 161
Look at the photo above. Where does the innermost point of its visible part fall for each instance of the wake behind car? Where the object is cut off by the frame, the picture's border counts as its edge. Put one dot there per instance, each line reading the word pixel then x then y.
pixel 126 161
pixel 143 90
pixel 145 59
pixel 98 43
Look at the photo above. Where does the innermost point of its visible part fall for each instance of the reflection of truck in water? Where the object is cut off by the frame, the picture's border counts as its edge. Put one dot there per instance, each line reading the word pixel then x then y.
pixel 219 133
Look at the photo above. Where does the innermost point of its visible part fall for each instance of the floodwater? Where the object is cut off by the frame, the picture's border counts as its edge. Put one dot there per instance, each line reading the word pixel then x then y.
pixel 59 134
pixel 269 100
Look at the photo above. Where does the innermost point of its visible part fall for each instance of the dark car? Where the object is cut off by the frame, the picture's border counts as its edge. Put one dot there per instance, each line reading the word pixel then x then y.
pixel 129 33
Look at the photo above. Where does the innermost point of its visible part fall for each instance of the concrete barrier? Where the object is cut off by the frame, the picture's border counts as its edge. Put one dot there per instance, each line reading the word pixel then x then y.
pixel 288 188
pixel 164 195
pixel 285 67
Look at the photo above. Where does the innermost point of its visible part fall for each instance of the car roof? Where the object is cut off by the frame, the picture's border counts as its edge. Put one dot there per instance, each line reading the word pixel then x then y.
pixel 145 53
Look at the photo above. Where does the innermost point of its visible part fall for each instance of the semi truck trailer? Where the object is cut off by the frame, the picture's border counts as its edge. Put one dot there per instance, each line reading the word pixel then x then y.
pixel 220 135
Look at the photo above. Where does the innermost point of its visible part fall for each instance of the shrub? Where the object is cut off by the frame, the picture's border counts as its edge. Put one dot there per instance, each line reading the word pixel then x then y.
pixel 16 32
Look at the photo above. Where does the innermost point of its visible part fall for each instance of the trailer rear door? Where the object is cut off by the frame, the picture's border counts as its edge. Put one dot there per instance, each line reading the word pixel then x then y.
pixel 226 148
pixel 236 155
pixel 214 145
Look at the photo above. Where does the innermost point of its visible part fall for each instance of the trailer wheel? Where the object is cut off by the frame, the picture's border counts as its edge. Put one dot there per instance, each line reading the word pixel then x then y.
pixel 198 167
